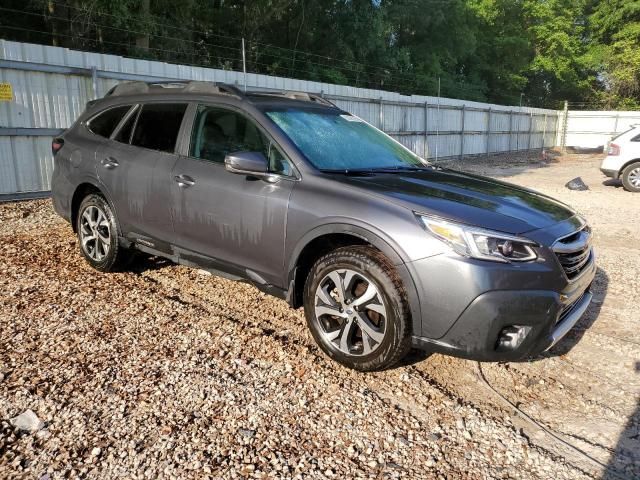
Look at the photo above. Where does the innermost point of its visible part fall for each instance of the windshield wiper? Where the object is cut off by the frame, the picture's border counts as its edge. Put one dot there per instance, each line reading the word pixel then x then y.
pixel 373 171
pixel 402 168
pixel 348 171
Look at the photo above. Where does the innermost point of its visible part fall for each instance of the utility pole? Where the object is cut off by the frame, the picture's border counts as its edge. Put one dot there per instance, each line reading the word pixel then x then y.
pixel 565 122
pixel 438 122
pixel 244 65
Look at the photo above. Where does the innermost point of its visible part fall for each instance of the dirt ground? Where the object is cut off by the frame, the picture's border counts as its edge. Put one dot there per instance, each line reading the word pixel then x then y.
pixel 165 372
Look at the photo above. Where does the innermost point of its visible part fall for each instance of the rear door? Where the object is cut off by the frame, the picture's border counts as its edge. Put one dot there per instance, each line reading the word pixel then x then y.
pixel 135 166
pixel 237 220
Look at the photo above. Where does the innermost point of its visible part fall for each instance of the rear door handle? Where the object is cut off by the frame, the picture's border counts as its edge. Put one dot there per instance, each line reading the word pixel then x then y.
pixel 184 181
pixel 109 163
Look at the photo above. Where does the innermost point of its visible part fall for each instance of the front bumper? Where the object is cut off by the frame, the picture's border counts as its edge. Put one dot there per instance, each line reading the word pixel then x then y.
pixel 476 334
pixel 535 299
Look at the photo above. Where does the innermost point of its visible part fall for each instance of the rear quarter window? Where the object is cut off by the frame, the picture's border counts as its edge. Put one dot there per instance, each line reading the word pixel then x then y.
pixel 105 123
pixel 158 126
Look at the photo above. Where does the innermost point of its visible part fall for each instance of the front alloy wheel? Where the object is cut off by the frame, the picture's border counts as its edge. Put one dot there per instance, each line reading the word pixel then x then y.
pixel 357 309
pixel 350 312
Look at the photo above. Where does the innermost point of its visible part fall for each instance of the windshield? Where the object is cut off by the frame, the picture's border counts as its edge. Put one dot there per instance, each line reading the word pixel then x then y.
pixel 332 140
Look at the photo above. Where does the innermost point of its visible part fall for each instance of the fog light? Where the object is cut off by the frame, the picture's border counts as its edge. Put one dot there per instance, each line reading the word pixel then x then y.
pixel 511 337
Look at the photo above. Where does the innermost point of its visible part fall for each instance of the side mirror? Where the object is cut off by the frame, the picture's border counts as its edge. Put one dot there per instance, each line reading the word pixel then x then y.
pixel 247 163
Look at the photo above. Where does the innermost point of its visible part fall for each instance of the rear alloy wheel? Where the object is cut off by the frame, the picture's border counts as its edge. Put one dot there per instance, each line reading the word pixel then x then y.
pixel 95 233
pixel 631 177
pixel 356 308
pixel 98 235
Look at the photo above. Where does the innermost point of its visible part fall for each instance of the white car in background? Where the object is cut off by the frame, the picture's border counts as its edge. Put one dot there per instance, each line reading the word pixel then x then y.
pixel 623 159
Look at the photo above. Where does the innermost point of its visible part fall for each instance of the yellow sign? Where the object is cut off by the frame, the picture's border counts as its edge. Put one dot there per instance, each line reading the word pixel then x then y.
pixel 6 92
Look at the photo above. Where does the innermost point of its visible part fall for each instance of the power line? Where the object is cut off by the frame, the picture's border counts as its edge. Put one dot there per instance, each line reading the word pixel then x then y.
pixel 105 42
pixel 385 70
pixel 237 39
pixel 392 80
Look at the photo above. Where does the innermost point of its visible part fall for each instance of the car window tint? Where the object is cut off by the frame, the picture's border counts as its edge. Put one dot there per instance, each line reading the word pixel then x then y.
pixel 158 126
pixel 124 134
pixel 217 132
pixel 106 122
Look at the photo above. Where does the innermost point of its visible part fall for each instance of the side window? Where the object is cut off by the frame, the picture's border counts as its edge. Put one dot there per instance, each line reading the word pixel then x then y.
pixel 158 126
pixel 278 163
pixel 107 121
pixel 217 132
pixel 636 138
pixel 124 134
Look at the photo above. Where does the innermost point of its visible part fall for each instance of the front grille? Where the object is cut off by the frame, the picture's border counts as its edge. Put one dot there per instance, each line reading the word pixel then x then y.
pixel 574 252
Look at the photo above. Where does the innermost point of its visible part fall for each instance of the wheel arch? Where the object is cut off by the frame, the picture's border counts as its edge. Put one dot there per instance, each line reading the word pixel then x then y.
pixel 326 238
pixel 87 187
pixel 635 160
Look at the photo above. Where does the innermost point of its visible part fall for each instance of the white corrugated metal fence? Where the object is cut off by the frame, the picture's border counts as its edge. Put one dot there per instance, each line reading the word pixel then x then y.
pixel 593 129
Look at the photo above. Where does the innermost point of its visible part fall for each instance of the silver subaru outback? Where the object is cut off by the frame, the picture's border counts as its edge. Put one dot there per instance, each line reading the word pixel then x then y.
pixel 309 203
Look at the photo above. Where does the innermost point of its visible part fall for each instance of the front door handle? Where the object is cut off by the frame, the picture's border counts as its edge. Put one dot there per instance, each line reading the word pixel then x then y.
pixel 109 163
pixel 184 181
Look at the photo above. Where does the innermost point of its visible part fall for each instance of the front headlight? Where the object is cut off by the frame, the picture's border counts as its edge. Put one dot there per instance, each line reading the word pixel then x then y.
pixel 479 243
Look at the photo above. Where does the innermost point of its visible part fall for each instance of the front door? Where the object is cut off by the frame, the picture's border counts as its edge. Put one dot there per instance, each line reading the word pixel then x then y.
pixel 135 167
pixel 235 220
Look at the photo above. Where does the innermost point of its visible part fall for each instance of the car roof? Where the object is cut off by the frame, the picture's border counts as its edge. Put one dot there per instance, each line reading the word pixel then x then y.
pixel 261 99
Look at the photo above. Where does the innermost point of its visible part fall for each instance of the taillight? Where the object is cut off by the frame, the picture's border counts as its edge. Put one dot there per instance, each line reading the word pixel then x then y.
pixel 56 145
pixel 614 149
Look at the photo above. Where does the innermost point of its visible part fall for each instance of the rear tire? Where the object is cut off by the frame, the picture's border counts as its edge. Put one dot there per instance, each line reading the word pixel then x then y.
pixel 357 309
pixel 98 234
pixel 631 177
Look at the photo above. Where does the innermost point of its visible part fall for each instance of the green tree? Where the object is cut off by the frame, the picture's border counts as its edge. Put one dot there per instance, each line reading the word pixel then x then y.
pixel 557 70
pixel 614 51
pixel 504 50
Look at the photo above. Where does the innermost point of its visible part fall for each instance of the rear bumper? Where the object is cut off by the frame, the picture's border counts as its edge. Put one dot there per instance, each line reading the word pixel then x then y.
pixel 610 173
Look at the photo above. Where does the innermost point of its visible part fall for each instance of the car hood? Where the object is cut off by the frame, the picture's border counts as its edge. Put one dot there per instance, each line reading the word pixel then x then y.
pixel 466 198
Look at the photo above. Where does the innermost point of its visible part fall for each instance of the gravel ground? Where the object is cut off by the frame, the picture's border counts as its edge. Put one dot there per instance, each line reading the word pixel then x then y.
pixel 166 372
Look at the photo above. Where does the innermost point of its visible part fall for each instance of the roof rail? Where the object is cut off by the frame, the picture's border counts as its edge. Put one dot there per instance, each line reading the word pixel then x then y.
pixel 138 87
pixel 212 87
pixel 293 95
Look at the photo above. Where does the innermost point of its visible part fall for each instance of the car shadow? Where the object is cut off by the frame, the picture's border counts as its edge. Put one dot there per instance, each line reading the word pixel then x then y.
pixel 625 458
pixel 145 263
pixel 599 289
pixel 586 150
pixel 613 182
pixel 414 356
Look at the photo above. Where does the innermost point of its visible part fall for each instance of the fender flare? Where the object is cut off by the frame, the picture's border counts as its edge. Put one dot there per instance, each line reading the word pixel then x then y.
pixel 376 238
pixel 95 182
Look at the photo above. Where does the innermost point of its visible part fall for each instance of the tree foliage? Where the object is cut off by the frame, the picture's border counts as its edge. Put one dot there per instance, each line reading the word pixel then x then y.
pixel 538 52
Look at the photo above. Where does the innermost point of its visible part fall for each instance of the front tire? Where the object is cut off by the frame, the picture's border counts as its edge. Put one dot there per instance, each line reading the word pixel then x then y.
pixel 97 231
pixel 631 177
pixel 357 309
